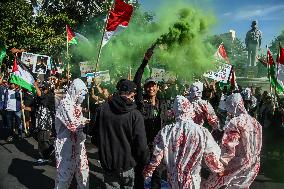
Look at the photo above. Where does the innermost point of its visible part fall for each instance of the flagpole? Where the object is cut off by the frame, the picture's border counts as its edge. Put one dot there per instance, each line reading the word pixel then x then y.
pixel 23 113
pixel 67 56
pixel 275 90
pixel 102 38
pixel 277 70
pixel 268 68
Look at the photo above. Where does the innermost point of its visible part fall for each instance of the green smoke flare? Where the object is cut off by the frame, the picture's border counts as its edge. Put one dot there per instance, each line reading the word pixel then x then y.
pixel 184 50
pixel 179 29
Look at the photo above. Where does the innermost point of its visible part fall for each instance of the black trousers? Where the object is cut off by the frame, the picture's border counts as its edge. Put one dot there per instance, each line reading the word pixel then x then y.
pixel 159 174
pixel 138 179
pixel 45 145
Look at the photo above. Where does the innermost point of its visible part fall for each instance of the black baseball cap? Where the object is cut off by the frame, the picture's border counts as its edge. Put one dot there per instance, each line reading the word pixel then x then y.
pixel 127 86
pixel 150 80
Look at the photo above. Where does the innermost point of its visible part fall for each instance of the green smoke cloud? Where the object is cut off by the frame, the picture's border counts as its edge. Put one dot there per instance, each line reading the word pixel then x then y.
pixel 178 28
pixel 185 51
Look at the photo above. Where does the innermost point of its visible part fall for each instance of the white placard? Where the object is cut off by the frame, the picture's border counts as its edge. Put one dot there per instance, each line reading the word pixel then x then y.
pixel 42 64
pixel 87 67
pixel 222 74
pixel 28 58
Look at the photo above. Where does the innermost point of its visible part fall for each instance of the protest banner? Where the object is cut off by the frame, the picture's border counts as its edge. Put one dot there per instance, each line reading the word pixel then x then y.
pixel 42 64
pixel 222 74
pixel 39 63
pixel 28 58
pixel 101 76
pixel 87 67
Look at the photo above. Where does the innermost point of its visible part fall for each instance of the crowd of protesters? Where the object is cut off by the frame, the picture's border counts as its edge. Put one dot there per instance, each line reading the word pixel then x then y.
pixel 144 131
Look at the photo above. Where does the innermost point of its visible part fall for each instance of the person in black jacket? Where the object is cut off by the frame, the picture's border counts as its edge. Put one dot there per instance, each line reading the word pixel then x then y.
pixel 119 135
pixel 155 112
pixel 44 120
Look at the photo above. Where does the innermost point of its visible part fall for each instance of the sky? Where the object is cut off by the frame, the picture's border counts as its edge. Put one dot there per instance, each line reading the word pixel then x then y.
pixel 238 15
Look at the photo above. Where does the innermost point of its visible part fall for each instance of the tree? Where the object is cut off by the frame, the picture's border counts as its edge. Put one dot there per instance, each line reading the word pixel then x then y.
pixel 40 33
pixel 275 43
pixel 235 49
pixel 84 12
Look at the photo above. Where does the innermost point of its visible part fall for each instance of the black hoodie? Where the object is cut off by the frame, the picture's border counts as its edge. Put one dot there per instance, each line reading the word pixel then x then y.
pixel 119 134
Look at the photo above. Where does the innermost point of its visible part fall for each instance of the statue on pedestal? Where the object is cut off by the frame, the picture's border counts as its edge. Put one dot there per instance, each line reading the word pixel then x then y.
pixel 253 42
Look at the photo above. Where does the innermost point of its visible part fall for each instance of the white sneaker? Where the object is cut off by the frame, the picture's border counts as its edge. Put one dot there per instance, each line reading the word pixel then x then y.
pixel 42 160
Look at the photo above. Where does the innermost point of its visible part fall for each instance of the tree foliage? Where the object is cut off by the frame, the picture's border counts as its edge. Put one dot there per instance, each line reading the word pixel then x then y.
pixel 235 49
pixel 275 43
pixel 39 26
pixel 40 33
pixel 82 11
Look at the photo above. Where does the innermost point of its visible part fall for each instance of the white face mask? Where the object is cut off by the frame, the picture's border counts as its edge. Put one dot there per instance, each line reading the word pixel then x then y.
pixel 81 97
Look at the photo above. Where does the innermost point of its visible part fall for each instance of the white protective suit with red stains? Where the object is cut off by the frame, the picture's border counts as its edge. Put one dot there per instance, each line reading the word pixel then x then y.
pixel 241 146
pixel 70 149
pixel 203 109
pixel 183 145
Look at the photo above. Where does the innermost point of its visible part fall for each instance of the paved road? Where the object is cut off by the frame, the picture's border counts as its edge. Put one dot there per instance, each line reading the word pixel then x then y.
pixel 19 170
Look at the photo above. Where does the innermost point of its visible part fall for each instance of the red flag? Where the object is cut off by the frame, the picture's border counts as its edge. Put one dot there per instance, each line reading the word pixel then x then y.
pixel 15 65
pixel 270 60
pixel 118 17
pixel 221 53
pixel 280 57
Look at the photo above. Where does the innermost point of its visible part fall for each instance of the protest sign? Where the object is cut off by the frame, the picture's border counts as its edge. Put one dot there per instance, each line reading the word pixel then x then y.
pixel 28 58
pixel 87 67
pixel 39 63
pixel 222 74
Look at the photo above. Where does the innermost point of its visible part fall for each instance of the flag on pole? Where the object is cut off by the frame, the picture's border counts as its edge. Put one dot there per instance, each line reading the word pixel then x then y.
pixel 280 74
pixel 270 60
pixel 221 54
pixel 222 75
pixel 280 57
pixel 22 77
pixel 272 73
pixel 118 18
pixel 280 66
pixel 2 52
pixel 225 73
pixel 70 36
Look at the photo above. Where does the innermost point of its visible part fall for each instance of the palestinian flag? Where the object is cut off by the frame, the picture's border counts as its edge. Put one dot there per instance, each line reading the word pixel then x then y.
pixel 22 77
pixel 272 73
pixel 70 36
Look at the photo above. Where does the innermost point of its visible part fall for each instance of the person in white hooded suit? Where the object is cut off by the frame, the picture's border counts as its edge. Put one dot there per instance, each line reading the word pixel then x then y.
pixel 70 149
pixel 182 146
pixel 241 146
pixel 203 109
